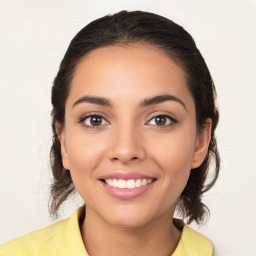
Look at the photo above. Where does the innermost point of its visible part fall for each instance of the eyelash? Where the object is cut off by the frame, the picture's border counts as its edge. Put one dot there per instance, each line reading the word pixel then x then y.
pixel 83 118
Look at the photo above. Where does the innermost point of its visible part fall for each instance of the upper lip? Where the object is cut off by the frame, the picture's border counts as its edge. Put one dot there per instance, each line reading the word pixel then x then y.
pixel 124 175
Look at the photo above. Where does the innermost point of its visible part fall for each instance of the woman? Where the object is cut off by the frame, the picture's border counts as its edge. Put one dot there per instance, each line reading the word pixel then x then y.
pixel 133 117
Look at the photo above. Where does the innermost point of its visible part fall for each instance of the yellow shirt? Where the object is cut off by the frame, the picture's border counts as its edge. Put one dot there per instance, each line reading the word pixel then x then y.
pixel 64 238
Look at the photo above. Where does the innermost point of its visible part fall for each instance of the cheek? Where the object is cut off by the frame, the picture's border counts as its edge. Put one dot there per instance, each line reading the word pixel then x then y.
pixel 174 154
pixel 83 150
pixel 84 155
pixel 176 170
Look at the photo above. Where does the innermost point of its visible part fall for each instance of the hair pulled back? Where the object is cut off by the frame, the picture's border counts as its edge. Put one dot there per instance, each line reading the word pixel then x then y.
pixel 148 28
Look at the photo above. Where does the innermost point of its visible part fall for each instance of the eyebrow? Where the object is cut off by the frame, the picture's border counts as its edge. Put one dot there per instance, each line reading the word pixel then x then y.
pixel 145 103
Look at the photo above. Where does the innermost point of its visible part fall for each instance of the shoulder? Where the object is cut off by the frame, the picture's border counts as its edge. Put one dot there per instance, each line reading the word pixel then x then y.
pixel 196 241
pixel 60 238
pixel 32 243
pixel 193 243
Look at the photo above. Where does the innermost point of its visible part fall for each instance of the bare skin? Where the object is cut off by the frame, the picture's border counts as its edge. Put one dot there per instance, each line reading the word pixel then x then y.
pixel 127 138
pixel 104 239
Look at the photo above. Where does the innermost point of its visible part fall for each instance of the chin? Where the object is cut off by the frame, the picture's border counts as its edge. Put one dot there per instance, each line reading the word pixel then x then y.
pixel 131 222
pixel 129 218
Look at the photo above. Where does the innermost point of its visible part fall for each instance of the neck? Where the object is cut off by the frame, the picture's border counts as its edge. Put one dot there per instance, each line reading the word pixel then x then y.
pixel 160 237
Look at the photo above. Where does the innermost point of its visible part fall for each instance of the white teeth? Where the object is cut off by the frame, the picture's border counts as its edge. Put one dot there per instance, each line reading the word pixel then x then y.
pixel 115 183
pixel 144 182
pixel 138 183
pixel 128 183
pixel 120 184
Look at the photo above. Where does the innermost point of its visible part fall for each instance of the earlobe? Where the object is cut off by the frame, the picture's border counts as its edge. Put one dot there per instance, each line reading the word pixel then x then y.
pixel 61 136
pixel 202 144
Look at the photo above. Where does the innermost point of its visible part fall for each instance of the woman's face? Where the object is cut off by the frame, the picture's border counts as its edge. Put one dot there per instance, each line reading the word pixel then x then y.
pixel 130 137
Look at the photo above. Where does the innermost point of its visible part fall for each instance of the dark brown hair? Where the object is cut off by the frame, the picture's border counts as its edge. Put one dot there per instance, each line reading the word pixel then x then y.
pixel 148 28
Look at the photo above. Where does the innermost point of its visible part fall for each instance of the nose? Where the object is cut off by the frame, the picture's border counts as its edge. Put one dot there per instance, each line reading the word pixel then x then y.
pixel 126 145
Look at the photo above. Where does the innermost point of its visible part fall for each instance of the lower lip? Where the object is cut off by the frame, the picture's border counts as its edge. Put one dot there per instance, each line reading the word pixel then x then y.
pixel 127 193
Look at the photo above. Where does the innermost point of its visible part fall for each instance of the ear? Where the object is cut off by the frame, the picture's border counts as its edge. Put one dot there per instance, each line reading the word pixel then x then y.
pixel 61 136
pixel 202 143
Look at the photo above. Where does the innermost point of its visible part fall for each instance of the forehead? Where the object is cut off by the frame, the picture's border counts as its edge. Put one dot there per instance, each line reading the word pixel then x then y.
pixel 128 71
pixel 140 56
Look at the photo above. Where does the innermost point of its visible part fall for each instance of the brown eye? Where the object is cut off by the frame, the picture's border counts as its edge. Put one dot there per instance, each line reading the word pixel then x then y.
pixel 160 120
pixel 96 120
pixel 93 121
pixel 163 120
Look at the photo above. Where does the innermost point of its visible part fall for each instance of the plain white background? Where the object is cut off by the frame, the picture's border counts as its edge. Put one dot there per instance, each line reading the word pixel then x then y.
pixel 34 38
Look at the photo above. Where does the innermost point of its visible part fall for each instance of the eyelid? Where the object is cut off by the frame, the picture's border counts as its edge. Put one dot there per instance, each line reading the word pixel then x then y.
pixel 173 119
pixel 91 114
pixel 155 114
pixel 164 114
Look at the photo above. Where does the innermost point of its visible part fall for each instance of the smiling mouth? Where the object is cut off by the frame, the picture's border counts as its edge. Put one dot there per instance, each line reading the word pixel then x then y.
pixel 127 184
